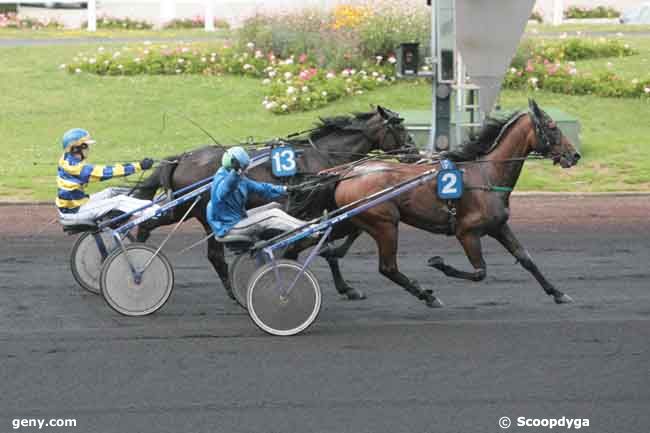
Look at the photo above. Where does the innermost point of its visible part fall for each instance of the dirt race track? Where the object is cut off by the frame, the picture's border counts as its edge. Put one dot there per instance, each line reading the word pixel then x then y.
pixel 387 364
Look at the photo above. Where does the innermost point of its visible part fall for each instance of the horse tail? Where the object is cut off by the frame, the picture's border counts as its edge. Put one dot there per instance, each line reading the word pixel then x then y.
pixel 160 178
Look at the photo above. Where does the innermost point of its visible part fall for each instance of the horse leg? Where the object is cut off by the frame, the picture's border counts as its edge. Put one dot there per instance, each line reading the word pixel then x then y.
pixel 385 234
pixel 332 255
pixel 472 245
pixel 507 238
pixel 216 256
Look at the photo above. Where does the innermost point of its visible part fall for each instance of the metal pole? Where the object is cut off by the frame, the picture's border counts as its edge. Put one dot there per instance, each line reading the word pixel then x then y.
pixel 434 77
pixel 92 15
pixel 558 12
pixel 209 15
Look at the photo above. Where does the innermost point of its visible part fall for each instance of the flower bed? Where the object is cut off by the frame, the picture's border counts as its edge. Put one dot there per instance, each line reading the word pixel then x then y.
pixel 293 84
pixel 13 21
pixel 106 22
pixel 195 23
pixel 551 66
pixel 576 12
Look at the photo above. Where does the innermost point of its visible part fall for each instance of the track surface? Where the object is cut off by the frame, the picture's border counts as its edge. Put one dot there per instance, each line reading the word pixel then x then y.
pixel 387 364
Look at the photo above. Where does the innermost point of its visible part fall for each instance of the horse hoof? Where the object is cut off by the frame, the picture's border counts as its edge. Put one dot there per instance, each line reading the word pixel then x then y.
pixel 355 295
pixel 436 262
pixel 433 302
pixel 563 299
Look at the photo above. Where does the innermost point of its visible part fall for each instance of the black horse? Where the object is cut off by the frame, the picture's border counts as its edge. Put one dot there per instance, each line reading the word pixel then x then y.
pixel 335 141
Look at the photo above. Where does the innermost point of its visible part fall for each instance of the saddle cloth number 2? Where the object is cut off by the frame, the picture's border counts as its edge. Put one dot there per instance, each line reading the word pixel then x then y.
pixel 450 184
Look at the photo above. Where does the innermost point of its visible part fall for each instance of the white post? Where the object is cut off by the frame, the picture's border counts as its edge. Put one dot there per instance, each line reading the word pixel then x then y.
pixel 167 11
pixel 558 12
pixel 434 69
pixel 92 15
pixel 209 15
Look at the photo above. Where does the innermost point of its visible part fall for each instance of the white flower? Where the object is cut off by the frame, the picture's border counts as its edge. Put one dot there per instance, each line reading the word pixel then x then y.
pixel 203 59
pixel 534 81
pixel 324 93
pixel 100 49
pixel 181 60
pixel 258 54
pixel 250 45
pixel 178 71
pixel 184 50
pixel 146 52
pixel 635 81
pixel 147 42
pixel 379 59
pixel 375 74
pixel 573 71
pixel 106 62
pixel 272 74
pixel 77 71
pixel 247 67
pixel 359 92
pixel 287 75
pixel 330 75
pixel 137 60
pixel 62 66
pixel 290 90
pixel 266 81
pixel 353 71
pixel 284 107
pixel 513 70
pixel 289 61
pixel 647 90
pixel 345 73
pixel 120 67
pixel 116 55
pixel 305 89
pixel 392 60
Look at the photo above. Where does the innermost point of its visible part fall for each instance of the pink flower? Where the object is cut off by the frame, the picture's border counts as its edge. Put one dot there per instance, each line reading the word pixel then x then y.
pixel 302 58
pixel 529 66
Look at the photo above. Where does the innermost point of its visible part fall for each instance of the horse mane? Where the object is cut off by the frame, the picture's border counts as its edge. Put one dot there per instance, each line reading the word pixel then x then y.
pixel 327 125
pixel 488 137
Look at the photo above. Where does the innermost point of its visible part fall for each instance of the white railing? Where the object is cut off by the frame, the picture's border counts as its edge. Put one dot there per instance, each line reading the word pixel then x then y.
pixel 167 10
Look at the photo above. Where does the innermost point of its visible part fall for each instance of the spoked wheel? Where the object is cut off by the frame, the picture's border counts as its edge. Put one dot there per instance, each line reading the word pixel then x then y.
pixel 133 296
pixel 87 257
pixel 277 312
pixel 243 267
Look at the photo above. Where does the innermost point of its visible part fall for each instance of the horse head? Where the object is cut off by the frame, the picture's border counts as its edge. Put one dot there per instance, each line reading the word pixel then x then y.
pixel 387 132
pixel 550 141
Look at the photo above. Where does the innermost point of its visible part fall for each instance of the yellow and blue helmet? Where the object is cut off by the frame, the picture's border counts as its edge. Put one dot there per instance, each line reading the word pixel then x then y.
pixel 75 137
pixel 235 152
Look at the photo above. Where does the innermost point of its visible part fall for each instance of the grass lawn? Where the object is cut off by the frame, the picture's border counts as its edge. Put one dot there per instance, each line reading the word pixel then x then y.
pixel 125 114
pixel 6 33
pixel 587 28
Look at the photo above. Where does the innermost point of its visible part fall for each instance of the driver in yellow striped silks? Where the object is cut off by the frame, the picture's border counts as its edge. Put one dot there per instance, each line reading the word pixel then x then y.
pixel 74 173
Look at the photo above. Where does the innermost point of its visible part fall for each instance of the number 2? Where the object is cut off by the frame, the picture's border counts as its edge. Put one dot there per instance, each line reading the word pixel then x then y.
pixel 449 181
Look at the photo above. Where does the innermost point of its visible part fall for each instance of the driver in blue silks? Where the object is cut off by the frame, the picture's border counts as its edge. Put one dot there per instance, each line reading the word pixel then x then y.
pixel 226 211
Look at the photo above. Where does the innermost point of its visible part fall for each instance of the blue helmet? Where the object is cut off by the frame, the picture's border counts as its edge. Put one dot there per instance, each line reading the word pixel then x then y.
pixel 74 137
pixel 239 154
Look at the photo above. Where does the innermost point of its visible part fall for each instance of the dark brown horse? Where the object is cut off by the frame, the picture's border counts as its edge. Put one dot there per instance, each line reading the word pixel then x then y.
pixel 335 141
pixel 491 164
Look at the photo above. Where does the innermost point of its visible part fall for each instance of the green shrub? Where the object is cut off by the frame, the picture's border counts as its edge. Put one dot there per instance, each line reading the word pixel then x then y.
pixel 576 12
pixel 11 20
pixel 106 22
pixel 195 23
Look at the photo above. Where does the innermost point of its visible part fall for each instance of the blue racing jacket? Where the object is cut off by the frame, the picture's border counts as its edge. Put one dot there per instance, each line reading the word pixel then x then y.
pixel 229 195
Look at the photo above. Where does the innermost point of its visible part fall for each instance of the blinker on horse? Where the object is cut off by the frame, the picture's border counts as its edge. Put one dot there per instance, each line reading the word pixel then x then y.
pixel 491 167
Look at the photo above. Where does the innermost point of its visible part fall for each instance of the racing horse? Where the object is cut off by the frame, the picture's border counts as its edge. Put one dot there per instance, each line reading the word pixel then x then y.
pixel 335 141
pixel 491 166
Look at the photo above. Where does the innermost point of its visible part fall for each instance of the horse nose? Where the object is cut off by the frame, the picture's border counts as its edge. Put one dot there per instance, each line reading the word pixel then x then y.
pixel 576 157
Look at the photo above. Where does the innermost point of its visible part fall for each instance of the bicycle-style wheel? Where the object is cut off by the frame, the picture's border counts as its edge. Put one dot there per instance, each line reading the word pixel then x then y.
pixel 88 253
pixel 241 270
pixel 277 312
pixel 133 296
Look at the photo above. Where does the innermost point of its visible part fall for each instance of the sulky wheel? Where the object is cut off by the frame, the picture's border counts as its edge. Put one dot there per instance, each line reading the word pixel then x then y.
pixel 133 296
pixel 241 271
pixel 88 253
pixel 286 314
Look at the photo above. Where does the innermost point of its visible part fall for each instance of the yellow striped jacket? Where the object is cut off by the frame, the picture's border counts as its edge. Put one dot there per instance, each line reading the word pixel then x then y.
pixel 74 175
